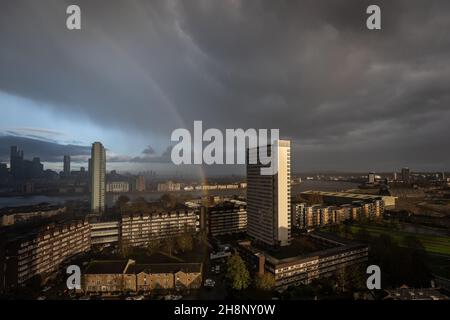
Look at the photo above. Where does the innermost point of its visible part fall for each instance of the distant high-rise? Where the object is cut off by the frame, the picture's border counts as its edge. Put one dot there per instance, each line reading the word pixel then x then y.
pixel 394 176
pixel 269 196
pixel 16 162
pixel 97 175
pixel 406 175
pixel 140 183
pixel 371 177
pixel 67 165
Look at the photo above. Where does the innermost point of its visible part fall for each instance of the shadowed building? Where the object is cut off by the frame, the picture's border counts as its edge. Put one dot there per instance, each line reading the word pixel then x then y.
pixel 66 165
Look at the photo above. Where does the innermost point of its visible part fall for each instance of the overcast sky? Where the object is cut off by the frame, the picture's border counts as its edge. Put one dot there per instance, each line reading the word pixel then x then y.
pixel 350 99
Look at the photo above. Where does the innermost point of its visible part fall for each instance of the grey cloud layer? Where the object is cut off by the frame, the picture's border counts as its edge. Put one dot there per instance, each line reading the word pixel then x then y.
pixel 348 97
pixel 46 150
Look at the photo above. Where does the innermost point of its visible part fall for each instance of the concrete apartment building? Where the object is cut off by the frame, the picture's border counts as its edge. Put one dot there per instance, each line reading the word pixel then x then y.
pixel 97 171
pixel 340 198
pixel 105 232
pixel 109 277
pixel 12 215
pixel 41 251
pixel 302 269
pixel 117 186
pixel 227 217
pixel 139 228
pixel 313 216
pixel 169 186
pixel 269 196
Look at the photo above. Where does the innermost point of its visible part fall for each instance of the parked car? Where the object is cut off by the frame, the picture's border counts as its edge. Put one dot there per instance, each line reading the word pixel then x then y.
pixel 210 283
pixel 42 298
pixel 139 298
pixel 172 297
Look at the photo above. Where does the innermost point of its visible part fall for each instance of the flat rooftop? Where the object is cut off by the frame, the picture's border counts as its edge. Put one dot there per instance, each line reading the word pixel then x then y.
pixel 299 246
pixel 344 195
pixel 307 247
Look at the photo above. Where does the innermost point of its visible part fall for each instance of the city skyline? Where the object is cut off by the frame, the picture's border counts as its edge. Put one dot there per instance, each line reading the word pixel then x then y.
pixel 348 99
pixel 224 157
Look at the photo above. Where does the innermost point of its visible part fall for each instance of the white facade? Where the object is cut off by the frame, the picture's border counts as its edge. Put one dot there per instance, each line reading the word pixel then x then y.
pixel 371 177
pixel 118 186
pixel 269 196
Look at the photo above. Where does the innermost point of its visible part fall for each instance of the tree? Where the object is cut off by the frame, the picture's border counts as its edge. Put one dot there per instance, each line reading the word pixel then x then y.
pixel 362 235
pixel 237 273
pixel 169 245
pixel 265 281
pixel 153 246
pixel 357 277
pixel 315 198
pixel 185 242
pixel 169 200
pixel 140 205
pixel 347 230
pixel 35 283
pixel 342 278
pixel 126 251
pixel 202 237
pixel 122 203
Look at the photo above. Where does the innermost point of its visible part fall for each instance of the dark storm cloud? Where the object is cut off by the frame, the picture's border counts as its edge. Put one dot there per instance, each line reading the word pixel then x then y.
pixel 148 156
pixel 46 150
pixel 149 151
pixel 349 98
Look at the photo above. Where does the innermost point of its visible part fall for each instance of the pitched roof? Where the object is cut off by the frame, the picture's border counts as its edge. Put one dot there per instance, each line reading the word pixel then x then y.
pixel 106 267
pixel 165 268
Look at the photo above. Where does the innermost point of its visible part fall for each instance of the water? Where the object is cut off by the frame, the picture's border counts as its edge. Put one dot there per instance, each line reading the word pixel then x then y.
pixel 149 196
pixel 32 200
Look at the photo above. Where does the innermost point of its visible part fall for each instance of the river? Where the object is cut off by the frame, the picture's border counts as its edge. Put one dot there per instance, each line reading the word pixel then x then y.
pixel 149 196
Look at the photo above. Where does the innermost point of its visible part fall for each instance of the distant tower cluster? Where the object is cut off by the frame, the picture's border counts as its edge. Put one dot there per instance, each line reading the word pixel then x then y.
pixel 97 170
pixel 24 169
pixel 269 197
pixel 406 175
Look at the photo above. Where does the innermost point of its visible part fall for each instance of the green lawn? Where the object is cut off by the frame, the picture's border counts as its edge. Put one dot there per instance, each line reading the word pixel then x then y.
pixel 432 244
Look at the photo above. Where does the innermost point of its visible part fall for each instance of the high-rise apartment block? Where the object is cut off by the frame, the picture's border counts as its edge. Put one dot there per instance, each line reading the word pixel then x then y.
pixel 371 177
pixel 269 196
pixel 66 165
pixel 97 173
pixel 139 184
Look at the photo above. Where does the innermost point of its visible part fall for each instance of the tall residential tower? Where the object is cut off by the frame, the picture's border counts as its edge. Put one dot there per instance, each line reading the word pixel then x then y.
pixel 67 165
pixel 97 173
pixel 269 196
